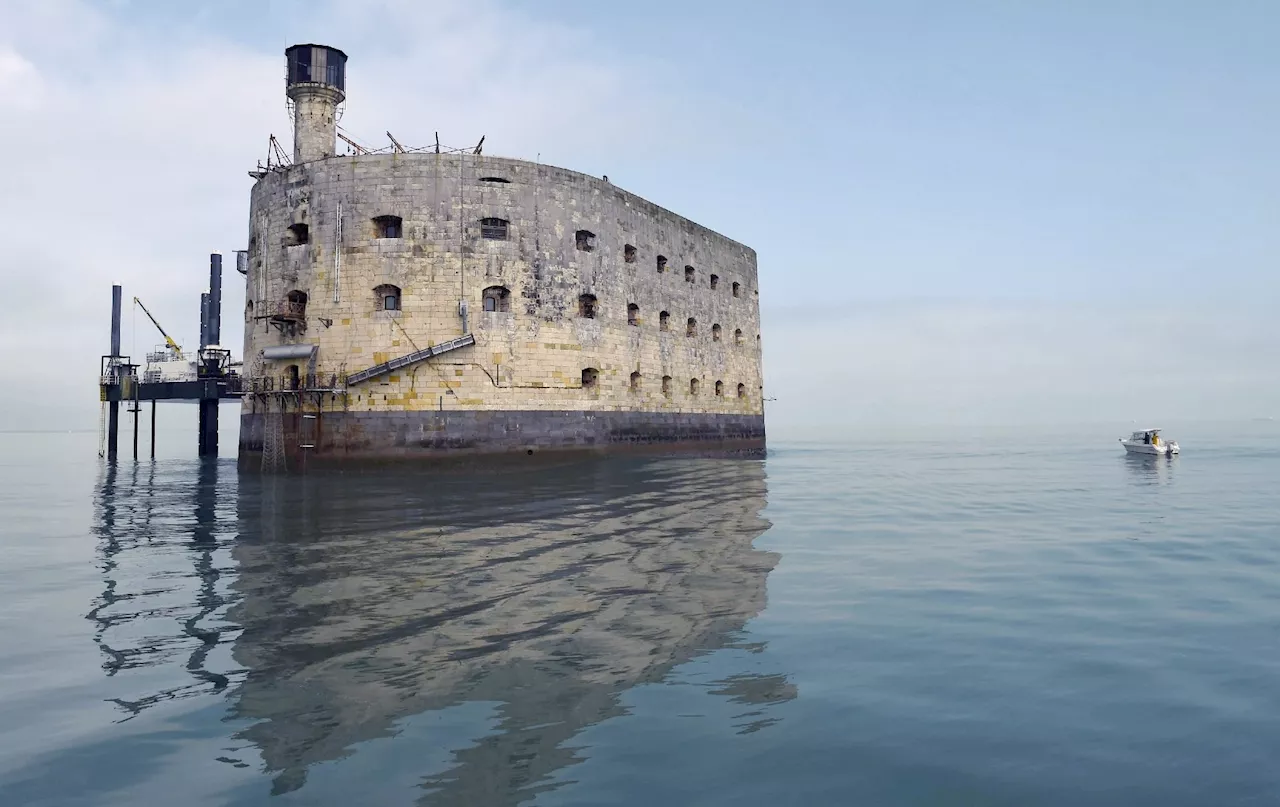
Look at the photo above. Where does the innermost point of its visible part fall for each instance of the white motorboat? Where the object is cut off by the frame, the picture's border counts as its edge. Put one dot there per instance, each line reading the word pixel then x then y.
pixel 1149 441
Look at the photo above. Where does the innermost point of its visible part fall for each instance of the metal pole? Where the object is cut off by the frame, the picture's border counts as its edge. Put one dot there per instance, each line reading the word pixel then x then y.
pixel 215 299
pixel 113 407
pixel 153 429
pixel 135 409
pixel 208 444
pixel 117 293
pixel 204 320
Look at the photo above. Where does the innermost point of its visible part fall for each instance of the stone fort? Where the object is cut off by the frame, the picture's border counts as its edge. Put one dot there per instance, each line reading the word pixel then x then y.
pixel 428 302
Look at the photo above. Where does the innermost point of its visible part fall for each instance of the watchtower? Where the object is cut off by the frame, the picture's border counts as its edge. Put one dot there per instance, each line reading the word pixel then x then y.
pixel 316 83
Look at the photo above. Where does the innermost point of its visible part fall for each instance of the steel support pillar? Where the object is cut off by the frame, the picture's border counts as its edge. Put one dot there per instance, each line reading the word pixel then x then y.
pixel 208 428
pixel 113 430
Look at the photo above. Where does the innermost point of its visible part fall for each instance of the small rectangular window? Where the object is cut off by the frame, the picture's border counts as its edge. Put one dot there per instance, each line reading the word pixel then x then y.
pixel 388 226
pixel 585 240
pixel 493 229
pixel 629 254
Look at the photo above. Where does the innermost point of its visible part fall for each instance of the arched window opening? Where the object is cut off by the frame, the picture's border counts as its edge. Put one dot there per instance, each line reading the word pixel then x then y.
pixel 691 327
pixel 737 336
pixel 688 274
pixel 585 240
pixel 715 332
pixel 296 235
pixel 291 377
pixel 635 380
pixel 388 226
pixel 666 385
pixel 497 298
pixel 719 389
pixel 742 390
pixel 590 377
pixel 664 321
pixel 295 305
pixel 715 281
pixel 736 289
pixel 496 180
pixel 633 314
pixel 248 310
pixel 662 264
pixel 587 306
pixel 494 229
pixel 629 253
pixel 386 298
pixel 693 386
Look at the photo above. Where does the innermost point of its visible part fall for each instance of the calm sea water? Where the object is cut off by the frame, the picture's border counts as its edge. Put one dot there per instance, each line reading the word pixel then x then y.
pixel 967 619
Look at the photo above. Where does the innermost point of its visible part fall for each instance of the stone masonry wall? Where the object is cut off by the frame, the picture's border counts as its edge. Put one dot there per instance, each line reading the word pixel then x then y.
pixel 532 356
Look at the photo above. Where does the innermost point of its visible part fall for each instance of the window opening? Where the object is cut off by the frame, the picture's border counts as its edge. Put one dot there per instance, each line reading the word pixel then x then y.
pixel 688 274
pixel 715 281
pixel 691 327
pixel 662 264
pixel 737 336
pixel 296 305
pixel 719 389
pixel 301 65
pixel 635 380
pixel 498 180
pixel 494 229
pixel 587 306
pixel 497 298
pixel 715 332
pixel 585 240
pixel 629 253
pixel 736 289
pixel 297 234
pixel 387 297
pixel 742 390
pixel 633 314
pixel 693 386
pixel 388 226
pixel 590 376
pixel 664 321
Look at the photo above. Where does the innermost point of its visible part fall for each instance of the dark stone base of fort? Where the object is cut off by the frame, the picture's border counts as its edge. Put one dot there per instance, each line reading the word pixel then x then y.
pixel 341 437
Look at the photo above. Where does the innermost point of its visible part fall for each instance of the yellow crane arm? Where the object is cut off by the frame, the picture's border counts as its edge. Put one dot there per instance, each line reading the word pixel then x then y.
pixel 168 340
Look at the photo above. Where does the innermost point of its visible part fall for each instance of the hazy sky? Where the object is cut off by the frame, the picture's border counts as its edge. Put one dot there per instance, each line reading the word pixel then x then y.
pixel 964 211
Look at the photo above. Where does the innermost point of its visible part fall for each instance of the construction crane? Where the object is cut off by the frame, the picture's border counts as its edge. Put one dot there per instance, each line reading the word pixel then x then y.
pixel 168 340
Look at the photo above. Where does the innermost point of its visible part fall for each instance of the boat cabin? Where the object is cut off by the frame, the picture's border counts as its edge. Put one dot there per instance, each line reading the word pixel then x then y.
pixel 1150 437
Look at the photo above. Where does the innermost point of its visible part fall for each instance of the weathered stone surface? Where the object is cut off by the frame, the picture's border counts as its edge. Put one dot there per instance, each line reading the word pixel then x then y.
pixel 527 359
pixel 427 434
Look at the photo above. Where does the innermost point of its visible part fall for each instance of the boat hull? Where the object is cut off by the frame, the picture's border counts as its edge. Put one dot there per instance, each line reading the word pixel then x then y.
pixel 1143 448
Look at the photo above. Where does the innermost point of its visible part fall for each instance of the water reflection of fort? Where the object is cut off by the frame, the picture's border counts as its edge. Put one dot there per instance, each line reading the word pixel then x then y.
pixel 366 599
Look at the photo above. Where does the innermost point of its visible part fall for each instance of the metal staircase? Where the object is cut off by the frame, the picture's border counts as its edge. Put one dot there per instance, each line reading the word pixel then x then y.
pixel 411 358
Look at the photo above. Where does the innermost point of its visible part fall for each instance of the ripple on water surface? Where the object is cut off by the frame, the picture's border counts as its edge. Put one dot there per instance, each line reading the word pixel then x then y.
pixel 907 621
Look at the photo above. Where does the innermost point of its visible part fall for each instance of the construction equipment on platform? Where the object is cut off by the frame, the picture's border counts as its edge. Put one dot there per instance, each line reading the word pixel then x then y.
pixel 168 340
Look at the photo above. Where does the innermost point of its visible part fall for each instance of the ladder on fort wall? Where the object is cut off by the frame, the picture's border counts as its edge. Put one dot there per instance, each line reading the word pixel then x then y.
pixel 411 358
pixel 273 453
